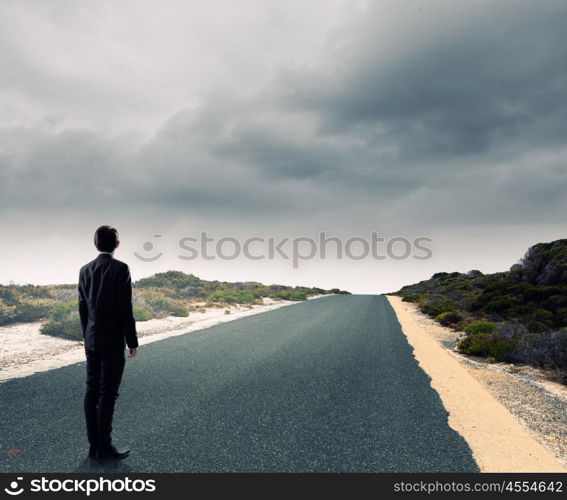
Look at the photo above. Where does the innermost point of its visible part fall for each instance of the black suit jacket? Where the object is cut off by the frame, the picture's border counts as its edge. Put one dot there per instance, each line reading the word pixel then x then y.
pixel 105 304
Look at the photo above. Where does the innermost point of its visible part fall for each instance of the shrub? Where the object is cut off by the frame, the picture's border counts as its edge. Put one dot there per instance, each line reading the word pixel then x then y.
pixel 525 307
pixel 562 316
pixel 410 298
pixel 543 315
pixel 449 318
pixel 170 279
pixel 142 314
pixel 292 295
pixel 232 296
pixel 547 350
pixel 33 309
pixel 64 321
pixel 7 313
pixel 537 327
pixel 260 291
pixel 474 273
pixel 486 344
pixel 480 327
pixel 175 308
pixel 161 306
pixel 438 305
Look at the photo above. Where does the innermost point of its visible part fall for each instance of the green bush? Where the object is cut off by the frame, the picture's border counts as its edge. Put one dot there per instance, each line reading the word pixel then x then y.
pixel 159 295
pixel 232 296
pixel 176 308
pixel 64 321
pixel 449 318
pixel 537 327
pixel 543 315
pixel 161 306
pixel 292 295
pixel 33 309
pixel 486 344
pixel 562 316
pixel 480 327
pixel 435 306
pixel 533 294
pixel 142 314
pixel 410 298
pixel 7 313
pixel 260 291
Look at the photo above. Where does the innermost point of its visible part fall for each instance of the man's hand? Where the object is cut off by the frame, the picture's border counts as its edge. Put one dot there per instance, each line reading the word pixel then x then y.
pixel 133 352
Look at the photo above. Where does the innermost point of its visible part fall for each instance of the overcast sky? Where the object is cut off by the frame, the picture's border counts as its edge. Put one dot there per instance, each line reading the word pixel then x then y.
pixel 278 118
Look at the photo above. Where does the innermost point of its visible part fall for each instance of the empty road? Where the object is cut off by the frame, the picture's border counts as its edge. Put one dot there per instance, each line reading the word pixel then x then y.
pixel 328 385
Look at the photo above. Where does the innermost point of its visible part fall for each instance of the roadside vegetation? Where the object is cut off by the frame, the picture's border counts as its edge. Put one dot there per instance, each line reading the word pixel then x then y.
pixel 519 316
pixel 172 293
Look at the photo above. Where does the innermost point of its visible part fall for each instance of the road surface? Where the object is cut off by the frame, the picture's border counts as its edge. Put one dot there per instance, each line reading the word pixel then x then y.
pixel 328 385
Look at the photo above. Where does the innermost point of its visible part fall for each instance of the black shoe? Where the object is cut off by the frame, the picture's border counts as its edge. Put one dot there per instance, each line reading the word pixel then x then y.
pixel 92 451
pixel 113 452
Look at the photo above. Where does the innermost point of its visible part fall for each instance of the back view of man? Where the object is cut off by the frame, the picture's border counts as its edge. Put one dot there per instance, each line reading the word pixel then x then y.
pixel 107 320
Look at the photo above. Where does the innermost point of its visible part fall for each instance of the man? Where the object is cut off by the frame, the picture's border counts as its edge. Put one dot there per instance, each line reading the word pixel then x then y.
pixel 107 319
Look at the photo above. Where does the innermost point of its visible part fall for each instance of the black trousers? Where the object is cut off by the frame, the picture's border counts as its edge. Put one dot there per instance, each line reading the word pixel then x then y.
pixel 104 374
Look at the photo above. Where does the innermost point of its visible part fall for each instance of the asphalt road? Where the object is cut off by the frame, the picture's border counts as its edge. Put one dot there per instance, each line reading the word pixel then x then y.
pixel 325 385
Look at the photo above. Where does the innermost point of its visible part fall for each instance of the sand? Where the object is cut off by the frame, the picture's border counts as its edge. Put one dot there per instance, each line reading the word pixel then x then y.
pixel 24 350
pixel 498 440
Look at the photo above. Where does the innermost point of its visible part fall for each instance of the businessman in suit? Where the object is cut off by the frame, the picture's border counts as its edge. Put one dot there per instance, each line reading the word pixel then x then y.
pixel 107 320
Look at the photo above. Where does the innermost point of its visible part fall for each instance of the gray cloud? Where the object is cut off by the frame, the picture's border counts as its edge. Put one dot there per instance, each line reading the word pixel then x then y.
pixel 435 113
pixel 493 79
pixel 436 118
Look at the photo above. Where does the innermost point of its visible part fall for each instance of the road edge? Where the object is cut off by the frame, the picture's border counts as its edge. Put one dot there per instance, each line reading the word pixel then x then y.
pixel 76 352
pixel 497 439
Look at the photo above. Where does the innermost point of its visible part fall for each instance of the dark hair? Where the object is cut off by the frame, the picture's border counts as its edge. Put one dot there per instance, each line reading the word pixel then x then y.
pixel 106 239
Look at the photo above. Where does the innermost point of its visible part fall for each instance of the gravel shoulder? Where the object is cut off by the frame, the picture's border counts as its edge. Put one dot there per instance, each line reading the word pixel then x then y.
pixel 514 419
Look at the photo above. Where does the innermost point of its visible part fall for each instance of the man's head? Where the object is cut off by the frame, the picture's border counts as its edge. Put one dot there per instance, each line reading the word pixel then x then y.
pixel 106 239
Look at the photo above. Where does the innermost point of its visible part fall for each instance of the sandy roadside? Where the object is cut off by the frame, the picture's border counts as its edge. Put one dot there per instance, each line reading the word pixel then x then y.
pixel 24 350
pixel 500 442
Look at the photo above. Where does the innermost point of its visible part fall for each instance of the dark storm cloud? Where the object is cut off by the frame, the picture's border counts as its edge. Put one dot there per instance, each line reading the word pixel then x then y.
pixel 439 112
pixel 277 155
pixel 498 80
pixel 82 171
